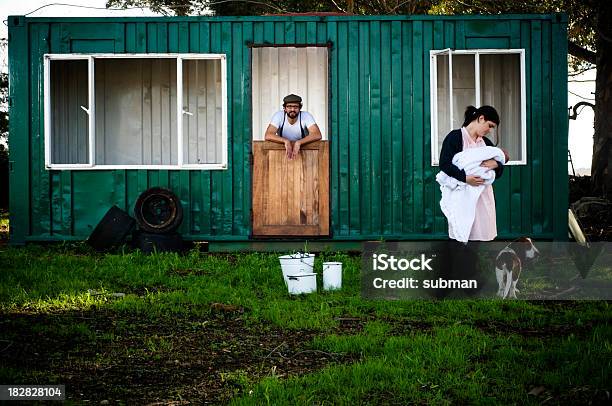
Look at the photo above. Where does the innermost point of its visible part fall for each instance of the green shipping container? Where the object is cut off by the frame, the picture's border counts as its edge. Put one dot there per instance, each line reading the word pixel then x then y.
pixel 391 86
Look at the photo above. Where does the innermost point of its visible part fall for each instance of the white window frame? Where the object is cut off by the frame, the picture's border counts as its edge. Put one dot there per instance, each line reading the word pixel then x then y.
pixel 435 152
pixel 92 116
pixel 181 112
pixel 47 102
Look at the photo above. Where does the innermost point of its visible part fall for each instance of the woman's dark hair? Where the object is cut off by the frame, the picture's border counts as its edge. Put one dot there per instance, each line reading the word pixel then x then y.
pixel 472 113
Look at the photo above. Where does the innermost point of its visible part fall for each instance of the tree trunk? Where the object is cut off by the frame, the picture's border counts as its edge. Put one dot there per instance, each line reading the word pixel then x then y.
pixel 601 166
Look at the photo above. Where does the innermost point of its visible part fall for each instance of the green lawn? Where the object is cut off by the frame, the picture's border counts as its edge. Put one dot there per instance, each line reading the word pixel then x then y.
pixel 4 226
pixel 221 328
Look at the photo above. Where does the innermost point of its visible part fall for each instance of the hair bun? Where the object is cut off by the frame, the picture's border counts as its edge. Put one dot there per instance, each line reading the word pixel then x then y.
pixel 471 110
pixel 470 113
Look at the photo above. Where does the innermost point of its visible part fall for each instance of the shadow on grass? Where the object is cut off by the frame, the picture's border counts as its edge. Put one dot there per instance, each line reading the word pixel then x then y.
pixel 99 354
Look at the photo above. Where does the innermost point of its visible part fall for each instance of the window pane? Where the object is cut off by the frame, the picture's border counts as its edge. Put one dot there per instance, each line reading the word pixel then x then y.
pixel 69 122
pixel 464 86
pixel 136 111
pixel 500 84
pixel 202 105
pixel 443 98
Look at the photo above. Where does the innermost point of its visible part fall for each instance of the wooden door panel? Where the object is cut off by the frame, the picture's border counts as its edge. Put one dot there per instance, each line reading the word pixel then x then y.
pixel 290 197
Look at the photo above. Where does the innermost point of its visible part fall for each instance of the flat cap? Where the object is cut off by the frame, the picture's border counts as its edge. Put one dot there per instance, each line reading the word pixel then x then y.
pixel 292 98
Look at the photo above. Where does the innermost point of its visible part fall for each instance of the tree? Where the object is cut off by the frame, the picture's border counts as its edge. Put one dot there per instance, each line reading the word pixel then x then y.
pixel 4 173
pixel 4 104
pixel 3 94
pixel 258 7
pixel 601 167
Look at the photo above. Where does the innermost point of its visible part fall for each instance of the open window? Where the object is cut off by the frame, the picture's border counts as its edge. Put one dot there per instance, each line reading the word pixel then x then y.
pixel 280 70
pixel 479 77
pixel 145 111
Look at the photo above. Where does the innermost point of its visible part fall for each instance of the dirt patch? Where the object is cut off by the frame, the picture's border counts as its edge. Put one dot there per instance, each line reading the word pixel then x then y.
pixel 348 325
pixel 101 355
pixel 495 328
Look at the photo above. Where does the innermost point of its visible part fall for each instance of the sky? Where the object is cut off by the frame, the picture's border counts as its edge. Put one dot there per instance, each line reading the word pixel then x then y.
pixel 60 9
pixel 580 138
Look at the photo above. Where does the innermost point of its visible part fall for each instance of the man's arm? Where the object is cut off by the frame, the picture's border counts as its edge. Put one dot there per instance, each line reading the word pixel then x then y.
pixel 272 136
pixel 314 134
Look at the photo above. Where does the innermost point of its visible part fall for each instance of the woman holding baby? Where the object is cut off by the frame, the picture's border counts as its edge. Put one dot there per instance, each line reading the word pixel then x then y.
pixel 462 256
pixel 478 122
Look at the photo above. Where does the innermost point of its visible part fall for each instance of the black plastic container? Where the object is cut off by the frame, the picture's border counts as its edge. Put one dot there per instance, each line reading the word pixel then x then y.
pixel 151 242
pixel 112 230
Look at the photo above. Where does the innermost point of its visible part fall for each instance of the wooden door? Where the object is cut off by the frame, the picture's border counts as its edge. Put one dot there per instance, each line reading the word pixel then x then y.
pixel 290 197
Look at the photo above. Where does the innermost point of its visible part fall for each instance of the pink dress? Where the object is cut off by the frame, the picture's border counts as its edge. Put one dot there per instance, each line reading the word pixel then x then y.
pixel 484 227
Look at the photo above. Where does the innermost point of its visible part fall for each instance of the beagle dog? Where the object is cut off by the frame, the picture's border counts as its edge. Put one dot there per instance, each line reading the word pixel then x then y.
pixel 510 262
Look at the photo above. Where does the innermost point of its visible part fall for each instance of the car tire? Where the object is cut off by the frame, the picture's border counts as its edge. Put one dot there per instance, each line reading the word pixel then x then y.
pixel 158 211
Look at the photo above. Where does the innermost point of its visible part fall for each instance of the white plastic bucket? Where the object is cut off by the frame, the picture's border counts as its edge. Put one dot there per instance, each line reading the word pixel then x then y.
pixel 302 283
pixel 296 263
pixel 294 268
pixel 332 275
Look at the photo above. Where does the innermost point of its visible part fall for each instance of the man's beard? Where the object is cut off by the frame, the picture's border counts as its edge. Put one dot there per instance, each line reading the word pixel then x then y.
pixel 292 114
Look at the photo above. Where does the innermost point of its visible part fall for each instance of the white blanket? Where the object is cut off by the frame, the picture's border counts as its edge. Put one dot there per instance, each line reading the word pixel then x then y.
pixel 459 199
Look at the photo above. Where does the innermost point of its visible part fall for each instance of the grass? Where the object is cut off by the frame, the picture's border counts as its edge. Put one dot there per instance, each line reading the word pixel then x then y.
pixel 154 314
pixel 449 365
pixel 4 225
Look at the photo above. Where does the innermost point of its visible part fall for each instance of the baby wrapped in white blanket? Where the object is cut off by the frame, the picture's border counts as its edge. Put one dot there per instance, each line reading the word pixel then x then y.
pixel 459 199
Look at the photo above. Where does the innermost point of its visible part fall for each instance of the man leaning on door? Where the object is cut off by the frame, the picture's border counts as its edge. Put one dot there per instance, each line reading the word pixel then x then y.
pixel 292 127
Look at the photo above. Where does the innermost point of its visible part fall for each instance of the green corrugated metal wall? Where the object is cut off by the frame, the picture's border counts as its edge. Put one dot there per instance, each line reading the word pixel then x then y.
pixel 382 183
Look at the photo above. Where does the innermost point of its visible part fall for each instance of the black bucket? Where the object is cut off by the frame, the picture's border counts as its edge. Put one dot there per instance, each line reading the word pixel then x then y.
pixel 112 230
pixel 152 242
